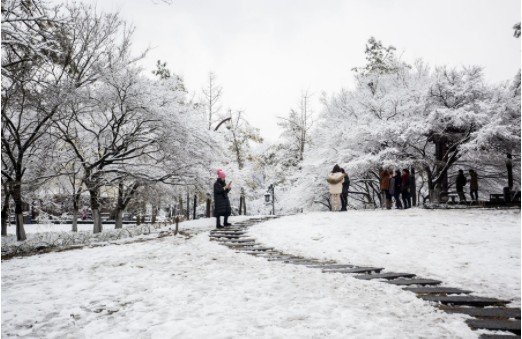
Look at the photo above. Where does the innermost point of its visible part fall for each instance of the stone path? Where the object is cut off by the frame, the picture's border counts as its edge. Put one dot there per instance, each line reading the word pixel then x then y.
pixel 488 313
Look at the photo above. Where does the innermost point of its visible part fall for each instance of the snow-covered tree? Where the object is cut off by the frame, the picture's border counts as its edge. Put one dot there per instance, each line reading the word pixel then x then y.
pixel 33 85
pixel 296 127
pixel 403 115
pixel 212 98
pixel 239 133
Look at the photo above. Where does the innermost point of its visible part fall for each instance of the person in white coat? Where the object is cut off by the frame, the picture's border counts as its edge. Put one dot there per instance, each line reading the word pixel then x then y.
pixel 335 181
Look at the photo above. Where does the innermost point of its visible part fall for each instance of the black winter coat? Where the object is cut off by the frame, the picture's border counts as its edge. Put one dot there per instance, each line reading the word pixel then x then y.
pixel 405 185
pixel 461 182
pixel 346 185
pixel 221 202
pixel 397 183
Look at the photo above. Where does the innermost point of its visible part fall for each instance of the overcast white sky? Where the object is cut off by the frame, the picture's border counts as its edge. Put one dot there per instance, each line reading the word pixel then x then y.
pixel 265 52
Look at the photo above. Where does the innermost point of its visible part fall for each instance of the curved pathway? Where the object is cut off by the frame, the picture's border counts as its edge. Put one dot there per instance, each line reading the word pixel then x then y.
pixel 487 313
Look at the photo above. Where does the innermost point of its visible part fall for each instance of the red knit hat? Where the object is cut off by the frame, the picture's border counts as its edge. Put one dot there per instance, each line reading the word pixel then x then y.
pixel 221 174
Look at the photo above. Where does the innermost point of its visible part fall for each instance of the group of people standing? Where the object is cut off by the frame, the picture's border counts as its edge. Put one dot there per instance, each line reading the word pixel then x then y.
pixel 397 185
pixel 461 181
pixel 394 184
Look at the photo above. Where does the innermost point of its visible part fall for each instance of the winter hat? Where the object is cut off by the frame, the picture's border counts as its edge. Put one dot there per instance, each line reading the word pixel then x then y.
pixel 221 174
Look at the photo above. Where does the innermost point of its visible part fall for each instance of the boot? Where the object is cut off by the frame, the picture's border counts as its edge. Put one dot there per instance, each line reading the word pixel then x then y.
pixel 226 223
pixel 218 223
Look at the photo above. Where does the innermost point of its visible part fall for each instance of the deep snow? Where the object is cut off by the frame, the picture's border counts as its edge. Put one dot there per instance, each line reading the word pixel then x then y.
pixel 194 288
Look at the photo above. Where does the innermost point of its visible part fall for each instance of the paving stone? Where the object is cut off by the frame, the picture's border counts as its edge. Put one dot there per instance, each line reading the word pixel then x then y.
pixel 417 281
pixel 354 270
pixel 464 300
pixel 495 325
pixel 283 258
pixel 314 263
pixel 299 260
pixel 259 253
pixel 234 245
pixel 498 336
pixel 294 262
pixel 332 266
pixel 238 241
pixel 385 276
pixel 304 262
pixel 493 312
pixel 436 290
pixel 259 249
pixel 227 233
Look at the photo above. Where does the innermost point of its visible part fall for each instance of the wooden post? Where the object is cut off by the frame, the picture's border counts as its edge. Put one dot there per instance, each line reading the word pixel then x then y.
pixel 187 213
pixel 208 206
pixel 243 200
pixel 194 206
pixel 176 219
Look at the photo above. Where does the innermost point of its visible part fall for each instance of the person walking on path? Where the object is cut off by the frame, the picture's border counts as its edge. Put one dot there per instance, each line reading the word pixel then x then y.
pixel 344 193
pixel 335 182
pixel 222 204
pixel 473 185
pixel 461 181
pixel 405 188
pixel 385 187
pixel 396 183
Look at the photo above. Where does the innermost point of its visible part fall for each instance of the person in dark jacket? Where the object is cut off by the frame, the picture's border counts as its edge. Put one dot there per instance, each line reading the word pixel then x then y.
pixel 385 180
pixel 461 182
pixel 473 185
pixel 397 183
pixel 344 193
pixel 221 203
pixel 405 188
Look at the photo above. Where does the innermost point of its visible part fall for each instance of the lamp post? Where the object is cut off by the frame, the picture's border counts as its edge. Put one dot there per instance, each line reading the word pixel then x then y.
pixel 269 192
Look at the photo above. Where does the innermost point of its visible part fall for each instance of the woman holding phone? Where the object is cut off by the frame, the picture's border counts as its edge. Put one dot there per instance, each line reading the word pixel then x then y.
pixel 222 204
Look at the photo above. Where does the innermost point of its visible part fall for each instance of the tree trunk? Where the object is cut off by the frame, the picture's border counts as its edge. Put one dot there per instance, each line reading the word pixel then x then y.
pixel 509 167
pixel 76 199
pixel 96 218
pixel 19 217
pixel 119 218
pixel 5 212
pixel 441 157
pixel 75 219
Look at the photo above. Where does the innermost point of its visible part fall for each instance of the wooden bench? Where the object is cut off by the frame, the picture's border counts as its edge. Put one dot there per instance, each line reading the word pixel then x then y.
pixel 496 197
pixel 450 195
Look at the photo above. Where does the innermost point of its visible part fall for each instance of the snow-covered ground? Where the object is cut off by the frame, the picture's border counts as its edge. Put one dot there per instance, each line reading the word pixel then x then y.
pixel 174 287
pixel 472 249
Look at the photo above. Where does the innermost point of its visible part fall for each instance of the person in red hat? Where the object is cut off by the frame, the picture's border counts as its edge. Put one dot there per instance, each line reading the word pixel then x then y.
pixel 221 203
